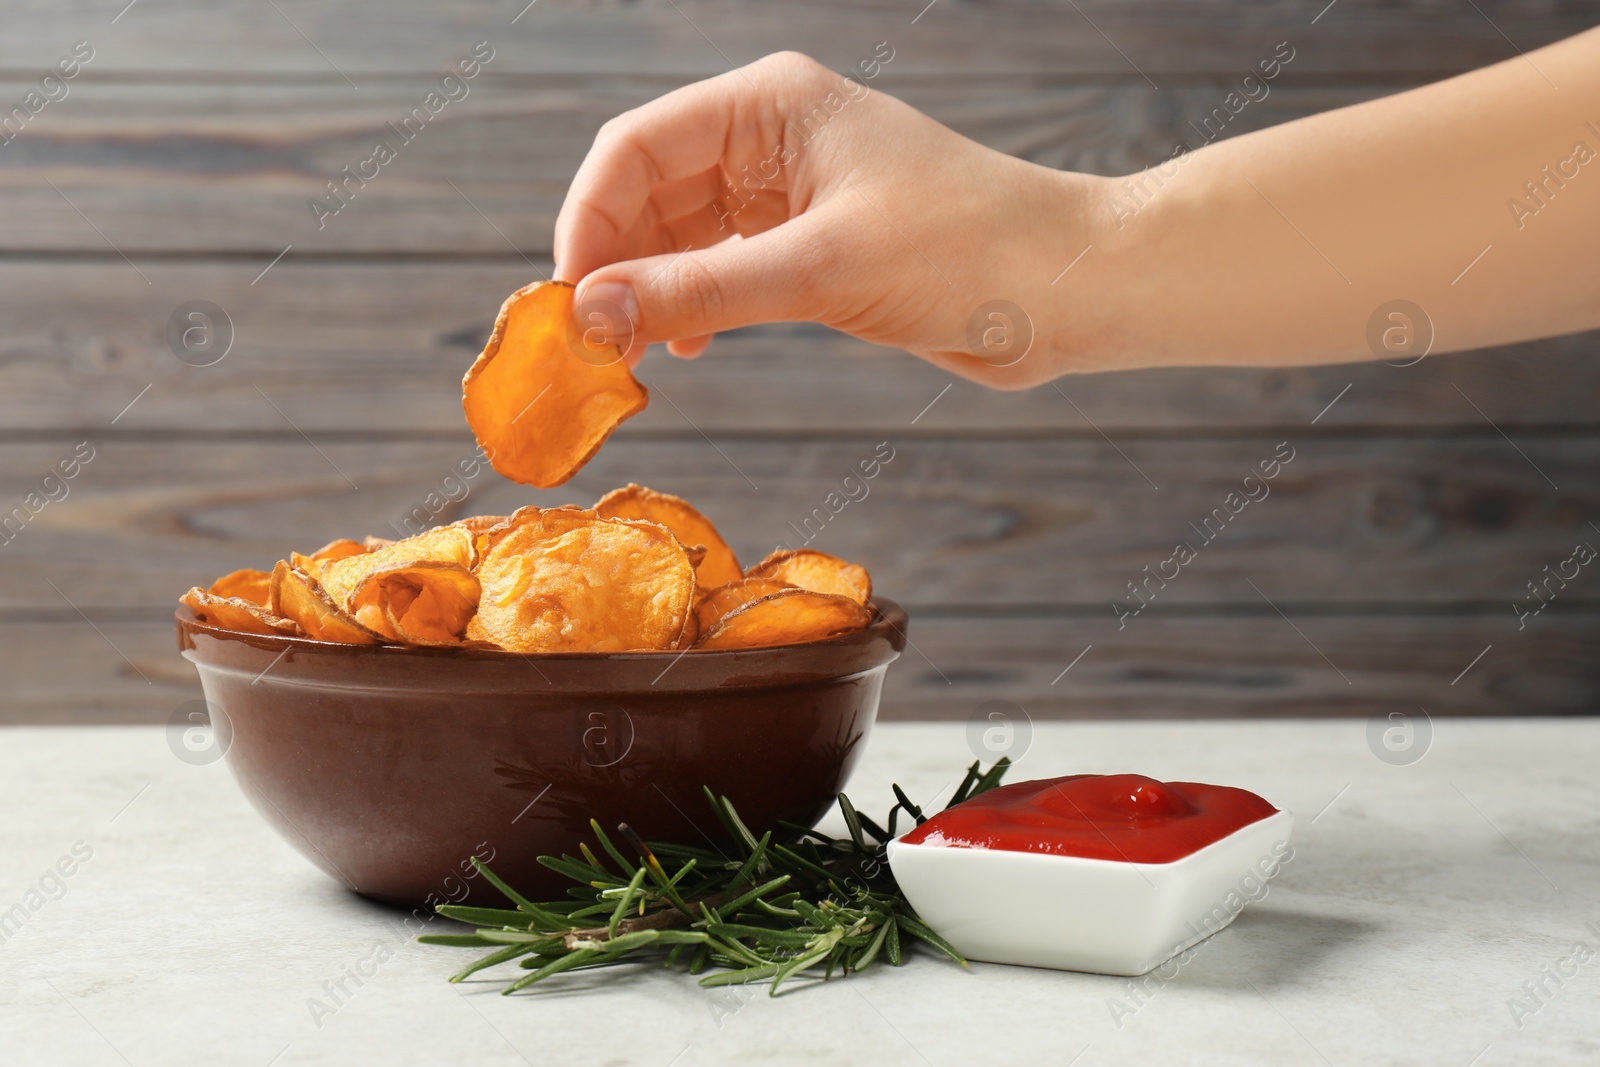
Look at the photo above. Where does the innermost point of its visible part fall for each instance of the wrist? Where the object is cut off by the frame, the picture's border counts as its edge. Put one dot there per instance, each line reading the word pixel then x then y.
pixel 1159 273
pixel 1090 261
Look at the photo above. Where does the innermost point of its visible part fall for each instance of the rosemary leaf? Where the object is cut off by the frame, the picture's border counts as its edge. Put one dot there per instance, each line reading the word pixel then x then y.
pixel 570 867
pixel 752 974
pixel 619 945
pixel 870 953
pixel 793 968
pixel 879 834
pixel 967 782
pixel 555 966
pixel 755 864
pixel 852 822
pixel 494 880
pixel 625 900
pixel 511 937
pixel 454 940
pixel 911 809
pixel 745 899
pixel 698 961
pixel 510 952
pixel 611 850
pixel 590 857
pixel 745 836
pixel 795 857
pixel 762 934
pixel 486 916
pixel 773 909
pixel 922 933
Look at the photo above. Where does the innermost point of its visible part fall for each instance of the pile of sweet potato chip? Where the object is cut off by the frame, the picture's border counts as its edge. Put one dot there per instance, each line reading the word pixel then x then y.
pixel 639 571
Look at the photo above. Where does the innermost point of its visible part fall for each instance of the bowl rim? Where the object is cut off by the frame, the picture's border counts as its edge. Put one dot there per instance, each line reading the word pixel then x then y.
pixel 887 615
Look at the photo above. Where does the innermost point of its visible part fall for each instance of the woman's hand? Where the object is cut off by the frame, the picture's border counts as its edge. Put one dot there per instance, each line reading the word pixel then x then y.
pixel 784 192
pixel 1458 215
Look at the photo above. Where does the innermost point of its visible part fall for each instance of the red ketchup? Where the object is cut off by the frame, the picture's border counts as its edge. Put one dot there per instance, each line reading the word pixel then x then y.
pixel 1125 817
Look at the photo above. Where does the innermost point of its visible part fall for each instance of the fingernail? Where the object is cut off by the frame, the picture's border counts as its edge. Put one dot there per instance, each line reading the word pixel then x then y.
pixel 609 307
pixel 609 299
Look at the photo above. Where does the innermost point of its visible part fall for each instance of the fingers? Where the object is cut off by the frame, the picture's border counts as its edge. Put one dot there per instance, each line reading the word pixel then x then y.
pixel 670 156
pixel 677 236
pixel 784 274
pixel 684 196
pixel 690 347
pixel 670 140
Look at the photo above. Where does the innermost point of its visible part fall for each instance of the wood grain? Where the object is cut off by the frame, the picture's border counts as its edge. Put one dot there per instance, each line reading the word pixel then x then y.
pixel 224 165
pixel 365 347
pixel 1259 666
pixel 1120 37
pixel 966 667
pixel 1057 524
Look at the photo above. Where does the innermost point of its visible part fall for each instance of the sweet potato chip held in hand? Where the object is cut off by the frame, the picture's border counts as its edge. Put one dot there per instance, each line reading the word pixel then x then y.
pixel 817 571
pixel 787 617
pixel 545 394
pixel 568 581
pixel 719 567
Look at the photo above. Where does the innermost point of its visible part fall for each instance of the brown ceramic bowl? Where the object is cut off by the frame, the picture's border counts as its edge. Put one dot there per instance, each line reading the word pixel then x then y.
pixel 389 767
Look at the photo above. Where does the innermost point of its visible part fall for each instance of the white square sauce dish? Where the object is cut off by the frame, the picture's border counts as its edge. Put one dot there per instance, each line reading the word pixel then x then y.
pixel 1160 867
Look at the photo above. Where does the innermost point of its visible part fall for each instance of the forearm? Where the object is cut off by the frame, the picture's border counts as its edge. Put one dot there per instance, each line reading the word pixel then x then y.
pixel 1278 247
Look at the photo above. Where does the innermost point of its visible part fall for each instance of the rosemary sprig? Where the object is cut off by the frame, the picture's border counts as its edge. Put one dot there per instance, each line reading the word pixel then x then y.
pixel 786 903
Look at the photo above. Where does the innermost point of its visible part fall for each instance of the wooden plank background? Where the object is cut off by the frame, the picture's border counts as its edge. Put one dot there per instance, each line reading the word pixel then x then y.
pixel 1380 575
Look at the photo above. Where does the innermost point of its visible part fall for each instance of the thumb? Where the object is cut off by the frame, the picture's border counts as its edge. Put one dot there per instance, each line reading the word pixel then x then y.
pixel 771 277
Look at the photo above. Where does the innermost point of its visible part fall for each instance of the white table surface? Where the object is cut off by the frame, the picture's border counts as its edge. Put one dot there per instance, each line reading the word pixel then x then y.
pixel 1419 902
